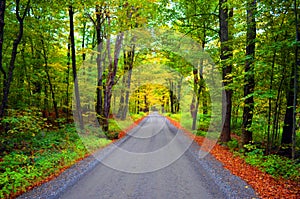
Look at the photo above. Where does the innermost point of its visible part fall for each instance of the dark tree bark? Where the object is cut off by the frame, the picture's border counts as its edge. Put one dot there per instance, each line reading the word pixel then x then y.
pixel 2 24
pixel 100 18
pixel 83 40
pixel 249 73
pixel 297 63
pixel 171 90
pixel 226 54
pixel 73 55
pixel 14 53
pixel 289 128
pixel 68 78
pixel 179 86
pixel 288 119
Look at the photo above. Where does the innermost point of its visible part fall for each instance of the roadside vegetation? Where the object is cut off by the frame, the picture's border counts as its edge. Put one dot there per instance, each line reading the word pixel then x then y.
pixel 36 150
pixel 253 153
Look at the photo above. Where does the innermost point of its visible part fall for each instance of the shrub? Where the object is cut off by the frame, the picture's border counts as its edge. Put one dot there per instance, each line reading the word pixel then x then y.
pixel 233 144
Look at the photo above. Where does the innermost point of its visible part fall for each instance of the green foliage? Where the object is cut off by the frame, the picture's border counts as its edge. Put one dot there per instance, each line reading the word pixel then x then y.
pixel 273 164
pixel 201 133
pixel 233 144
pixel 48 153
pixel 135 117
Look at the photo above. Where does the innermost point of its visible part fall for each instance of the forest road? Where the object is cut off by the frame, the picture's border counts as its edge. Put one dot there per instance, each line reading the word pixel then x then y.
pixel 156 162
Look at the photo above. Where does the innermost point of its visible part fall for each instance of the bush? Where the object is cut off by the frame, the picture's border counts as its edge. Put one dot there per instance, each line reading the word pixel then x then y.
pixel 233 144
pixel 275 165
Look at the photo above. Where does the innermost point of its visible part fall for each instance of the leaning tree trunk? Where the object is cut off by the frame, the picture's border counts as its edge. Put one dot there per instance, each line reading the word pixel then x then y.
pixel 249 73
pixel 14 53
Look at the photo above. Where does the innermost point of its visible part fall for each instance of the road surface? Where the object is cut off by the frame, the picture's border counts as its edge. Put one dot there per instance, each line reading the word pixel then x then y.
pixel 155 161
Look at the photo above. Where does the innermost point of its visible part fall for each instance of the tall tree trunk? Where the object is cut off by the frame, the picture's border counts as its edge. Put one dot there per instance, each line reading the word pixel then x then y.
pixel 288 119
pixel 126 81
pixel 49 80
pixel 2 24
pixel 112 71
pixel 13 56
pixel 249 73
pixel 77 96
pixel 122 98
pixel 83 41
pixel 128 84
pixel 297 63
pixel 172 96
pixel 179 86
pixel 269 140
pixel 68 78
pixel 226 54
pixel 100 90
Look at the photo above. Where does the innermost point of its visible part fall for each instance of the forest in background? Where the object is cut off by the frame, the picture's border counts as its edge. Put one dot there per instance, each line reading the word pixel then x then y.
pixel 44 45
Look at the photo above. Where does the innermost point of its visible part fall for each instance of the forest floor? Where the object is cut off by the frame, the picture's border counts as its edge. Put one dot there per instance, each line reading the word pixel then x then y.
pixel 264 184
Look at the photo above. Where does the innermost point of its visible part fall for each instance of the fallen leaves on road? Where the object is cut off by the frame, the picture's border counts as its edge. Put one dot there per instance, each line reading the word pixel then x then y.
pixel 264 184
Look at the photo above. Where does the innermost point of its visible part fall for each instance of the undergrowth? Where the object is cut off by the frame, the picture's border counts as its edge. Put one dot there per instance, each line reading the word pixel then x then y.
pixel 41 155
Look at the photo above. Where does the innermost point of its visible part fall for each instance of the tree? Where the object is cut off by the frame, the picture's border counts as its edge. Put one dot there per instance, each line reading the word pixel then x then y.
pixel 74 69
pixel 249 73
pixel 226 54
pixel 2 23
pixel 14 53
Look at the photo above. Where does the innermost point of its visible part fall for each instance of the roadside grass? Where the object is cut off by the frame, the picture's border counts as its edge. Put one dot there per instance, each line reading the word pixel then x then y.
pixel 124 124
pixel 44 156
pixel 34 151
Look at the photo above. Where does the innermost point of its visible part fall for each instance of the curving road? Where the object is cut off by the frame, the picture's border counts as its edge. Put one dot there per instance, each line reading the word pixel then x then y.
pixel 155 161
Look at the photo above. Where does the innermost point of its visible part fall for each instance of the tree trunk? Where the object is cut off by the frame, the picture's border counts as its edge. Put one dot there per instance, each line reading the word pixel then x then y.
pixel 288 119
pixel 297 63
pixel 99 103
pixel 83 41
pixel 226 54
pixel 112 71
pixel 122 98
pixel 68 78
pixel 76 88
pixel 2 24
pixel 49 80
pixel 14 53
pixel 249 73
pixel 128 83
pixel 171 97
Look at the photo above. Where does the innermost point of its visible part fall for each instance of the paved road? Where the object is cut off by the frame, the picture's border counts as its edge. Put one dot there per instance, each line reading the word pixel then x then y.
pixel 155 162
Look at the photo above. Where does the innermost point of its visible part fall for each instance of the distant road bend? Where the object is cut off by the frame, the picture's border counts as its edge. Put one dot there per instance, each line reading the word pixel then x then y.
pixel 155 161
